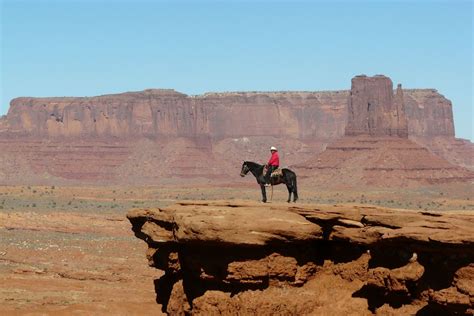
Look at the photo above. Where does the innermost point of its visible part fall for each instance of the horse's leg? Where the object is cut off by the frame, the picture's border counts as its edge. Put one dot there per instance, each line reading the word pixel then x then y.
pixel 290 189
pixel 295 190
pixel 264 193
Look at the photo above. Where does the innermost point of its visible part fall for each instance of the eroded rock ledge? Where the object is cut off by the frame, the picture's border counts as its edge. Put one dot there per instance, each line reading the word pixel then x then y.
pixel 242 258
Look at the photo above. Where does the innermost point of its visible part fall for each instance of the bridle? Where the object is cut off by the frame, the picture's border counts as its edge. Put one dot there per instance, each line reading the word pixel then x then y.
pixel 245 170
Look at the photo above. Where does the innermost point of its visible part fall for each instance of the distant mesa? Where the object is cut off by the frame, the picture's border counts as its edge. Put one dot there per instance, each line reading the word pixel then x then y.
pixel 156 135
pixel 375 149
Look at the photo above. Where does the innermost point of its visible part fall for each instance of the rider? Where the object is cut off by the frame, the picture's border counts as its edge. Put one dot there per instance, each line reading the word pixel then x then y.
pixel 272 165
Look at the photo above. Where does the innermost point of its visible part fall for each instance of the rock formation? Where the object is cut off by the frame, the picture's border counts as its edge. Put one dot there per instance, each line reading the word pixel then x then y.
pixel 376 150
pixel 157 134
pixel 242 258
pixel 379 162
pixel 374 110
pixel 167 113
pixel 158 113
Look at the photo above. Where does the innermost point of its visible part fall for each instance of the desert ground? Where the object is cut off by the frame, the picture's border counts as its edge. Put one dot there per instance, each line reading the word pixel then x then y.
pixel 70 250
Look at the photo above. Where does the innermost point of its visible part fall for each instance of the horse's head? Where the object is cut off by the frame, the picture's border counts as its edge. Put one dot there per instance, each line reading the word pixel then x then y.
pixel 245 169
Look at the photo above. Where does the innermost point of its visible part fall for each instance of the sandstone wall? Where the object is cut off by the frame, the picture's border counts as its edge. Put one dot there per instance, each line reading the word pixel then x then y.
pixel 155 135
pixel 3 123
pixel 374 109
pixel 429 113
pixel 154 113
pixel 168 113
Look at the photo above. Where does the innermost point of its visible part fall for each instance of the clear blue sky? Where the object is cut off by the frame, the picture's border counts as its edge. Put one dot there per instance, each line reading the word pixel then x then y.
pixel 85 48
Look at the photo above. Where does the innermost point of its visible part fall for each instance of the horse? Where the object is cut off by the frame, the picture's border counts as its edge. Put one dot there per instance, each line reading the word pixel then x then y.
pixel 288 177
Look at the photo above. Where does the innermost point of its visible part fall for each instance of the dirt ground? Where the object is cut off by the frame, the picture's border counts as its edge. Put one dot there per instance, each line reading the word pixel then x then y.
pixel 70 250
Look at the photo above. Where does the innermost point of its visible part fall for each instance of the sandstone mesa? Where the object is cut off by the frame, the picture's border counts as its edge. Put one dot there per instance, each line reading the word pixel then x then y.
pixel 142 137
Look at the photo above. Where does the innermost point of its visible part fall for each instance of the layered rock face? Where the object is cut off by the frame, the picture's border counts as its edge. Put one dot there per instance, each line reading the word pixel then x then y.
pixel 302 115
pixel 374 110
pixel 376 150
pixel 379 162
pixel 150 136
pixel 242 258
pixel 159 113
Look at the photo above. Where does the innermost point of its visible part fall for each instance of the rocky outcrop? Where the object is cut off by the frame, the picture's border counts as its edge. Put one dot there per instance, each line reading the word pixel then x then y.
pixel 374 110
pixel 245 258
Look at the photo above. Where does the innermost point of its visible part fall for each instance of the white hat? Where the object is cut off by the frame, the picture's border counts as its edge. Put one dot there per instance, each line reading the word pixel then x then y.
pixel 273 148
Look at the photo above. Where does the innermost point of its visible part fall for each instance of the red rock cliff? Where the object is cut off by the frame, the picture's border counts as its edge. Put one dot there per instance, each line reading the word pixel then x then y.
pixel 374 109
pixel 169 113
pixel 244 258
pixel 158 112
pixel 152 135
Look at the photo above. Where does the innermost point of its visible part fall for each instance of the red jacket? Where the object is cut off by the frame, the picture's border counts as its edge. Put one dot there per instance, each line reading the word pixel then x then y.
pixel 274 160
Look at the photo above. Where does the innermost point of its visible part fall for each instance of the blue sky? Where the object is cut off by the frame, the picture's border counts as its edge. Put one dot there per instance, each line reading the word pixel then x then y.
pixel 85 48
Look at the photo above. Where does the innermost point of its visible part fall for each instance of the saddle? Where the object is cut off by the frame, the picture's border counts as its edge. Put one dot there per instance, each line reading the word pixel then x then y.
pixel 278 172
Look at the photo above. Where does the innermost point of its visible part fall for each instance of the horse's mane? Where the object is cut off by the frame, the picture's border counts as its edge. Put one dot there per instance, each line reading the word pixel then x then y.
pixel 253 164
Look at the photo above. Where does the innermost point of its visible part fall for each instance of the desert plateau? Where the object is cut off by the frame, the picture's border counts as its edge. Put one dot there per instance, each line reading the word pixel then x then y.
pixel 139 203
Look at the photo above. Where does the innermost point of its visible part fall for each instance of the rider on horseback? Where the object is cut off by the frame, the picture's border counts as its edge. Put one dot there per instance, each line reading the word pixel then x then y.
pixel 272 165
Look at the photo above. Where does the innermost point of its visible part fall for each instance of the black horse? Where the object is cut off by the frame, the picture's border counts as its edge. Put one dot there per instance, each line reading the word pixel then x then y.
pixel 288 177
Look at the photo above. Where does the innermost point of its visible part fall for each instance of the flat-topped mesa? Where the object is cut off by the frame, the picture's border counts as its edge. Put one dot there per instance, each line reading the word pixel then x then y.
pixel 165 112
pixel 373 108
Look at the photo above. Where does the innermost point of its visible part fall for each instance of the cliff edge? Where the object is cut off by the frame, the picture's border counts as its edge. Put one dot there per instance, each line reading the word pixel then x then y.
pixel 244 258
